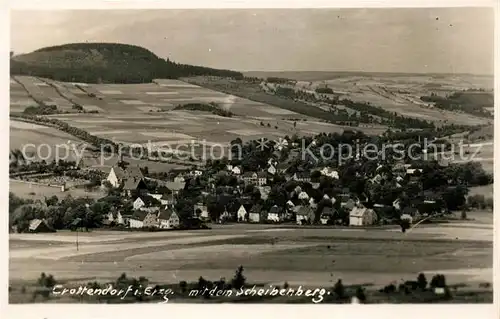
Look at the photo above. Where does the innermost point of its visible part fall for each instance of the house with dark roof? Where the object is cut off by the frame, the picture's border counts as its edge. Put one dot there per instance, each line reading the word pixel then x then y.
pixel 303 214
pixel 250 177
pixel 327 215
pixel 118 174
pixel 146 201
pixel 302 177
pixel 361 216
pixel 261 178
pixel 275 214
pixel 138 217
pixel 168 219
pixel 254 214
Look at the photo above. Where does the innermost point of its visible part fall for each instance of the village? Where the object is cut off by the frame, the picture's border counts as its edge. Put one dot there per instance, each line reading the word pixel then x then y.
pixel 273 185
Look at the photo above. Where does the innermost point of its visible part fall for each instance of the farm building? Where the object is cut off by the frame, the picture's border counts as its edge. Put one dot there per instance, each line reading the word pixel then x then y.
pixel 361 216
pixel 254 215
pixel 113 217
pixel 301 177
pixel 242 213
pixel 304 214
pixel 145 201
pixel 168 219
pixel 327 215
pixel 271 169
pixel 119 175
pixel 39 226
pixel 275 214
pixel 137 219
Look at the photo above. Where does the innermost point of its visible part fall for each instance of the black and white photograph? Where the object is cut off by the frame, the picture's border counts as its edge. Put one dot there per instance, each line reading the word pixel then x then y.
pixel 251 156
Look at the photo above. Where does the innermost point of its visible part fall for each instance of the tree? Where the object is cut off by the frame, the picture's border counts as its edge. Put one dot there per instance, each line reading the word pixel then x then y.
pixel 183 286
pixel 438 281
pixel 238 280
pixel 422 281
pixel 339 290
pixel 360 294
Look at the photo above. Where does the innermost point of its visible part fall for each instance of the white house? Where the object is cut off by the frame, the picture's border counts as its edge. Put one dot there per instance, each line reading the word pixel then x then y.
pixel 303 214
pixel 137 219
pixel 261 178
pixel 360 216
pixel 275 214
pixel 242 213
pixel 168 219
pixel 303 196
pixel 271 169
pixel 254 215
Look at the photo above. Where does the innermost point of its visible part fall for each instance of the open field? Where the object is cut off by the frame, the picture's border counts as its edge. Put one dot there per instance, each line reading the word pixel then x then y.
pixel 34 191
pixel 312 257
pixel 127 114
pixel 398 93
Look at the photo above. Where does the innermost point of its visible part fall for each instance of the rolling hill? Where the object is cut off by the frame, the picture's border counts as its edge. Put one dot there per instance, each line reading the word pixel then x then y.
pixel 104 63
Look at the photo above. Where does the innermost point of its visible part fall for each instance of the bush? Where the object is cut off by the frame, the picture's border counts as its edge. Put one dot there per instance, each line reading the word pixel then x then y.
pixel 238 280
pixel 360 294
pixel 339 289
pixel 422 281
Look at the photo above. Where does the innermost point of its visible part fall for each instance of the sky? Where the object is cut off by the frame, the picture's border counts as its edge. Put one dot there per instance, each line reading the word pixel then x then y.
pixel 423 40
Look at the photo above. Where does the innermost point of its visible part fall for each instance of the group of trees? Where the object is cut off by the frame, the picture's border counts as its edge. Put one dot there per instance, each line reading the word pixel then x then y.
pixel 105 63
pixel 468 102
pixel 210 107
pixel 60 214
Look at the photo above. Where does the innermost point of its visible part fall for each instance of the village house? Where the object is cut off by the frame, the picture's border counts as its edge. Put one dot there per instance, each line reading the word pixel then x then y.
pixel 164 199
pixel 303 196
pixel 113 217
pixel 275 214
pixel 271 169
pixel 39 226
pixel 137 219
pixel 254 215
pixel 249 177
pixel 130 177
pixel 261 178
pixel 145 201
pixel 361 216
pixel 301 177
pixel 303 214
pixel 242 213
pixel 327 215
pixel 168 219
pixel 236 170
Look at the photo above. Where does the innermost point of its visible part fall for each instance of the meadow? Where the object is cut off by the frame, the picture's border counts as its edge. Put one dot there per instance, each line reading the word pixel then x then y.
pixel 310 257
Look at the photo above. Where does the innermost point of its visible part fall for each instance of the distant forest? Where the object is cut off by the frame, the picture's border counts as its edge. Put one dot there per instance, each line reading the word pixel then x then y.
pixel 105 63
